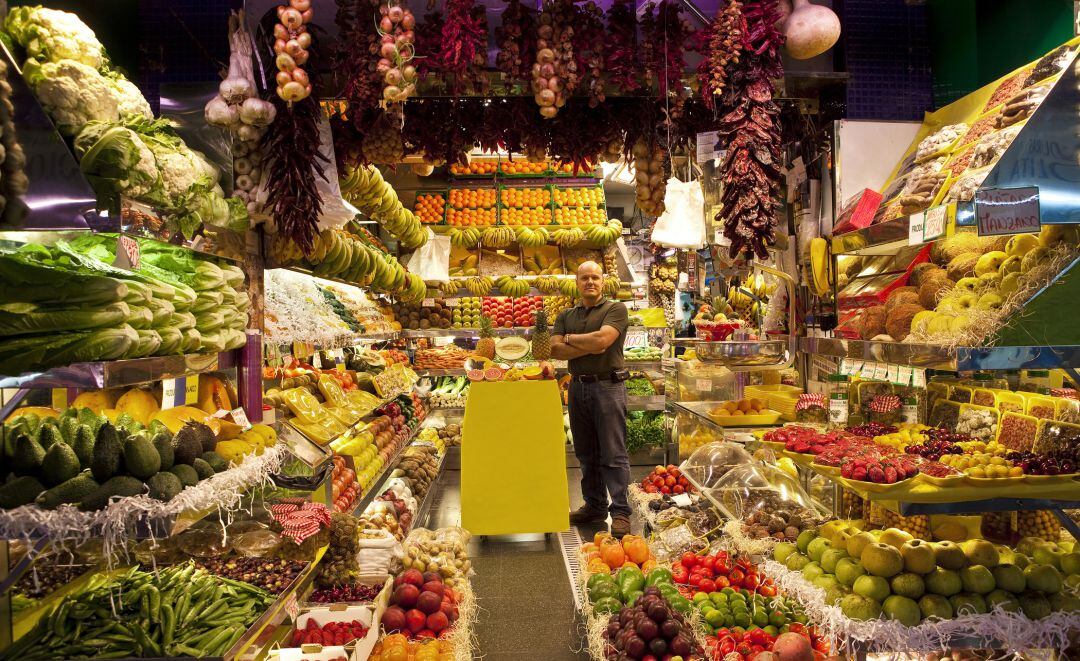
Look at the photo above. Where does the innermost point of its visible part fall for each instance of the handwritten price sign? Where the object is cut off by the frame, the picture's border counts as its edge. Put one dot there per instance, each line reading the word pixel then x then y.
pixel 1007 210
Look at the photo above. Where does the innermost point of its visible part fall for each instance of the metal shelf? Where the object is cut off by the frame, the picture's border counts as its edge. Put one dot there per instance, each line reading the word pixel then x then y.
pixel 697 409
pixel 119 373
pixel 363 501
pixel 462 332
pixel 936 357
pixel 773 352
pixel 643 364
pixel 877 239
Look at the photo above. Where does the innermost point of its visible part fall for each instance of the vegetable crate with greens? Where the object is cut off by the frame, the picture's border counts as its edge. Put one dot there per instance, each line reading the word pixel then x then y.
pixel 64 304
pixel 178 611
pixel 644 429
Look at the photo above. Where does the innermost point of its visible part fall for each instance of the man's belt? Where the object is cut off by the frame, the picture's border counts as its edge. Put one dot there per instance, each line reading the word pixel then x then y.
pixel 616 376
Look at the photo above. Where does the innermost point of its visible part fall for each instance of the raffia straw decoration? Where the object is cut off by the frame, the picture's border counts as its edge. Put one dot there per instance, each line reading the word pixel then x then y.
pixel 1002 630
pixel 986 324
pixel 740 542
pixel 463 637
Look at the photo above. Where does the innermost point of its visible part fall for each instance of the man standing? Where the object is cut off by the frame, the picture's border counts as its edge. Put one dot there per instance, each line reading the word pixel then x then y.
pixel 590 336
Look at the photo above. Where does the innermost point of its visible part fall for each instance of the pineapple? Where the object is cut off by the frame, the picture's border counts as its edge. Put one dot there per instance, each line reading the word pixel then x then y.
pixel 541 339
pixel 485 346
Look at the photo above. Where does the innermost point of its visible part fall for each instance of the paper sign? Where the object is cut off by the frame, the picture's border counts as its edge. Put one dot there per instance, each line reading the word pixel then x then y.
pixel 127 253
pixel 681 500
pixel 918 378
pixel 428 302
pixel 855 367
pixel 703 385
pixel 220 413
pixel 915 229
pixel 286 359
pixel 706 146
pixel 316 360
pixel 881 371
pixel 867 370
pixel 637 338
pixel 292 608
pixel 845 366
pixel 240 417
pixel 452 302
pixel 894 374
pixel 904 375
pixel 934 223
pixel 1007 210
pixel 180 391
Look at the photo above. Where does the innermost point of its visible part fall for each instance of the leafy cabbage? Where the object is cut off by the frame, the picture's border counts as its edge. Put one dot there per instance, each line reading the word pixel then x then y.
pixel 25 318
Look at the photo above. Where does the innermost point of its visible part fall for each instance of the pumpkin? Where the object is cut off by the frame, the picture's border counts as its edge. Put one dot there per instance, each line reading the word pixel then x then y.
pixel 597 566
pixel 636 549
pixel 611 551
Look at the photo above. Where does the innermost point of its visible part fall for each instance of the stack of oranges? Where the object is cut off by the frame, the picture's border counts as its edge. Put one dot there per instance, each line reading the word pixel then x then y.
pixel 532 216
pixel 475 167
pixel 522 166
pixel 579 216
pixel 430 207
pixel 472 198
pixel 579 197
pixel 526 197
pixel 470 217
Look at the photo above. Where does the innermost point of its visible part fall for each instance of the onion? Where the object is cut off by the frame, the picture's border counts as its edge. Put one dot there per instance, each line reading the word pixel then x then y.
pixel 293 91
pixel 291 18
pixel 545 97
pixel 389 51
pixel 383 66
pixel 401 40
pixel 282 77
pixel 247 132
pixel 280 32
pixel 396 14
pixel 393 77
pixel 256 112
pixel 409 35
pixel 545 55
pixel 555 84
pixel 301 57
pixel 408 21
pixel 547 70
pixel 409 73
pixel 640 149
pixel 300 76
pixel 547 112
pixel 293 47
pixel 385 24
pixel 300 5
pixel 538 84
pixel 383 10
pixel 304 38
pixel 390 92
pixel 536 70
pixel 284 62
pixel 641 178
pixel 279 46
pixel 386 39
pixel 306 15
pixel 280 8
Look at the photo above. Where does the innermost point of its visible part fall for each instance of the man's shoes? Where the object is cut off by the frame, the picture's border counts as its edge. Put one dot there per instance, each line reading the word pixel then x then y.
pixel 585 515
pixel 620 525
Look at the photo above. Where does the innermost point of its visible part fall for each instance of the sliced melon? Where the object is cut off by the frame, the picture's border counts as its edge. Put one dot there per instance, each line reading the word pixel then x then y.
pixel 512 348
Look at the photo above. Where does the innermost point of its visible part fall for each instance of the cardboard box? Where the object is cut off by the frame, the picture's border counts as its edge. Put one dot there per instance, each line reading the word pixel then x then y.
pixel 370 615
pixel 858 212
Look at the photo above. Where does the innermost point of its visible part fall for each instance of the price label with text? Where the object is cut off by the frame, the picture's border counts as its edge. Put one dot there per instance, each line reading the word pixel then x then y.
pixel 1007 210
pixel 918 378
pixel 239 416
pixel 316 360
pixel 881 371
pixel 703 385
pixel 894 374
pixel 181 391
pixel 915 229
pixel 868 370
pixel 127 253
pixel 934 223
pixel 637 338
pixel 904 376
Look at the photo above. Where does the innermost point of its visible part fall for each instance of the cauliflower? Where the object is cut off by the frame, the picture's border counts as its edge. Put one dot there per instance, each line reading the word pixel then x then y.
pixel 73 93
pixel 180 169
pixel 129 100
pixel 51 35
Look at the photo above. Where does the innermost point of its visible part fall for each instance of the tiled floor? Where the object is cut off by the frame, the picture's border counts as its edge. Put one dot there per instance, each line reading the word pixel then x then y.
pixel 527 608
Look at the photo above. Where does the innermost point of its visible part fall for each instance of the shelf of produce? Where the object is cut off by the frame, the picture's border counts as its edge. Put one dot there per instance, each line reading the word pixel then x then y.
pixel 932 356
pixel 700 410
pixel 461 332
pixel 261 633
pixel 645 402
pixel 120 373
pixel 420 371
pixel 425 505
pixel 376 485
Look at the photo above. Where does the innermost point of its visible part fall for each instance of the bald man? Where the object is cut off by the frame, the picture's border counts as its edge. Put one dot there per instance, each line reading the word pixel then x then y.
pixel 590 336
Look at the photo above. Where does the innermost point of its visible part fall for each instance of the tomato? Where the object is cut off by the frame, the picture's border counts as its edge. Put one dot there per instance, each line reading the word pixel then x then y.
pixel 757 636
pixel 796 627
pixel 689 559
pixel 707 585
pixel 721 566
pixel 736 576
pixel 750 582
pixel 679 574
pixel 757 649
pixel 665 489
pixel 678 488
pixel 695 580
pixel 744 649
pixel 727 646
pixel 670 481
pixel 767 591
pixel 707 572
pixel 721 582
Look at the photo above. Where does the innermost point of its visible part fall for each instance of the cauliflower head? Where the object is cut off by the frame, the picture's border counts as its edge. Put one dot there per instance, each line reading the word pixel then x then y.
pixel 51 35
pixel 129 100
pixel 180 169
pixel 73 93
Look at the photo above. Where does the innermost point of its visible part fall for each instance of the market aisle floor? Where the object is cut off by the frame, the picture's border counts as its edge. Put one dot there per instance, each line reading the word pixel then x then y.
pixel 527 608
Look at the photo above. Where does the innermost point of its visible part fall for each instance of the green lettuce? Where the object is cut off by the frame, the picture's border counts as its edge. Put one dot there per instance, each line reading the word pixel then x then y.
pixel 26 318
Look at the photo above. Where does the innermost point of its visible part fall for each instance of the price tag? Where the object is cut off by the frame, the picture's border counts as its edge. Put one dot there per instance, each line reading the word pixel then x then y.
pixel 867 371
pixel 239 416
pixel 916 225
pixel 918 378
pixel 881 371
pixel 1007 210
pixel 846 365
pixel 220 413
pixel 452 302
pixel 894 374
pixel 316 360
pixel 637 338
pixel 706 146
pixel 181 391
pixel 934 223
pixel 292 608
pixel 904 376
pixel 428 302
pixel 286 359
pixel 127 253
pixel 681 500
pixel 703 385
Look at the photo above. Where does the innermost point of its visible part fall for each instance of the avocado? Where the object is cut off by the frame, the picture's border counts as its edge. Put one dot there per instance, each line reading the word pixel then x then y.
pixel 203 469
pixel 164 486
pixel 127 423
pixel 188 476
pixel 59 465
pixel 121 485
pixel 88 417
pixel 28 455
pixel 216 461
pixel 108 452
pixel 68 426
pixel 140 457
pixel 48 434
pixel 158 427
pixel 71 491
pixel 163 444
pixel 20 491
pixel 83 444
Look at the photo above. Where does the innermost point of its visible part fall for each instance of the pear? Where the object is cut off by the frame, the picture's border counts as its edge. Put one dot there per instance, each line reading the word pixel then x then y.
pixel 1051 234
pixel 990 281
pixel 1019 244
pixel 959 324
pixel 989 262
pixel 858 542
pixel 895 537
pixel 918 557
pixel 980 552
pixel 940 325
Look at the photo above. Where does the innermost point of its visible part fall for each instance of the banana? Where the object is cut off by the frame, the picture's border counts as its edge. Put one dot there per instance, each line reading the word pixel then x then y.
pixel 819 266
pixel 448 288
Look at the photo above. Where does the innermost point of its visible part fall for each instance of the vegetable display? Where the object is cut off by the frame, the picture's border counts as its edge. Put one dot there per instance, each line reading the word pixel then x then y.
pixel 294 160
pixel 176 611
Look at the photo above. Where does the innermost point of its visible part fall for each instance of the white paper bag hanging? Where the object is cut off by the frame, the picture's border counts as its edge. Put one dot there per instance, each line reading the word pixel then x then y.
pixel 431 261
pixel 682 225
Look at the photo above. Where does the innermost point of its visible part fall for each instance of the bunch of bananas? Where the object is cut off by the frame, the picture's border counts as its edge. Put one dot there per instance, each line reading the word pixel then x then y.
pixel 479 285
pixel 568 237
pixel 603 235
pixel 569 288
pixel 448 288
pixel 546 284
pixel 339 254
pixel 538 263
pixel 611 285
pixel 531 237
pixel 512 287
pixel 749 298
pixel 498 236
pixel 821 275
pixel 464 237
pixel 366 189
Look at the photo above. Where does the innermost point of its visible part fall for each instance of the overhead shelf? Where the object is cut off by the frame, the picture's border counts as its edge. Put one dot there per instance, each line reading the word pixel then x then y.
pixel 774 352
pixel 931 356
pixel 645 403
pixel 878 239
pixel 120 373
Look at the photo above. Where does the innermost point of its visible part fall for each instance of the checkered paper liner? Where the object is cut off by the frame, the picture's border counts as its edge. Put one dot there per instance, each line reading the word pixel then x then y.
pixel 885 403
pixel 300 519
pixel 810 400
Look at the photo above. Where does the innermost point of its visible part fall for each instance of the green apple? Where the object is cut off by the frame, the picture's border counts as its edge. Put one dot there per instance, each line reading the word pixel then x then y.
pixel 848 570
pixel 796 561
pixel 882 560
pixel 858 607
pixel 826 582
pixel 1064 603
pixel 989 262
pixel 944 582
pixel 783 550
pixel 918 557
pixel 949 555
pixel 804 539
pixel 1006 600
pixel 977 579
pixel 980 552
pixel 968 603
pixel 830 558
pixel 935 605
pixel 1034 605
pixel 811 571
pixel 1009 577
pixel 902 609
pixel 817 548
pixel 1043 578
pixel 874 587
pixel 908 585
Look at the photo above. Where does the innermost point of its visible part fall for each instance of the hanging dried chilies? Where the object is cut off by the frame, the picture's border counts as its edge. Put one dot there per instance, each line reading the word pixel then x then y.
pixel 724 43
pixel 464 46
pixel 516 37
pixel 622 57
pixel 292 148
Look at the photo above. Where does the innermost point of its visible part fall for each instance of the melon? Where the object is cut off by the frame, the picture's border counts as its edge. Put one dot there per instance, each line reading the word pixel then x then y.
pixel 512 348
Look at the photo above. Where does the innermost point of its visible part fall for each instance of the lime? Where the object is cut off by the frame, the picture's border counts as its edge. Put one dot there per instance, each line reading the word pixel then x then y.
pixel 777 619
pixel 761 618
pixel 741 619
pixel 700 596
pixel 718 598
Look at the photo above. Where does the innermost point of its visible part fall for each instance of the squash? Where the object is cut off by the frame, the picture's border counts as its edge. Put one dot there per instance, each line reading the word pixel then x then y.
pixel 611 551
pixel 214 394
pixel 810 30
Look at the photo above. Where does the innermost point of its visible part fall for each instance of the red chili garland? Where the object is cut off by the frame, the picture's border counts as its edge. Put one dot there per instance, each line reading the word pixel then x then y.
pixel 292 143
pixel 623 63
pixel 464 46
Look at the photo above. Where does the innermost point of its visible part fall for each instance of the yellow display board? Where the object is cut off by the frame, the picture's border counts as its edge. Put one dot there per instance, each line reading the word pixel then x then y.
pixel 513 459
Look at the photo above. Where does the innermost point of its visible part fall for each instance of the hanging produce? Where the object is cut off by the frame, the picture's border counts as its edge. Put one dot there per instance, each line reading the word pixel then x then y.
pixel 750 127
pixel 810 30
pixel 650 185
pixel 722 49
pixel 366 188
pixel 383 143
pixel 291 43
pixel 238 108
pixel 516 37
pixel 588 41
pixel 622 47
pixel 555 73
pixel 463 55
pixel 356 77
pixel 292 144
pixel 396 51
pixel 667 34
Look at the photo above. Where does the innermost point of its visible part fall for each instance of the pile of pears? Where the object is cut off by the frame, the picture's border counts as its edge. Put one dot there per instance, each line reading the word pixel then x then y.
pixel 874 574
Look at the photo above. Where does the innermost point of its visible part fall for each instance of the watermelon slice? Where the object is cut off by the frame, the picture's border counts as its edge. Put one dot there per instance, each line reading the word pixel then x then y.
pixel 476 375
pixel 493 374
